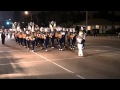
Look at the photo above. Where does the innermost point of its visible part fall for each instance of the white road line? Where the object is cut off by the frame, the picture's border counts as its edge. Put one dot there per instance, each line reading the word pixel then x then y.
pixel 58 65
pixel 54 63
pixel 33 61
pixel 80 76
pixel 47 60
pixel 65 58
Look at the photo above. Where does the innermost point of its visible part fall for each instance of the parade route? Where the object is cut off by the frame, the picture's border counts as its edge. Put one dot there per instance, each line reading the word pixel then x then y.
pixel 101 61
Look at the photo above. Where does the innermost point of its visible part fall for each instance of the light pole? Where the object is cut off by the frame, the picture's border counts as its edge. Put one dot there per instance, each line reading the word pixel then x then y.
pixel 26 13
pixel 86 19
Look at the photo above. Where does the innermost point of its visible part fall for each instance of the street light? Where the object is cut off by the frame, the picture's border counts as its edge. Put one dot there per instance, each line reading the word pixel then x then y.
pixel 26 13
pixel 8 23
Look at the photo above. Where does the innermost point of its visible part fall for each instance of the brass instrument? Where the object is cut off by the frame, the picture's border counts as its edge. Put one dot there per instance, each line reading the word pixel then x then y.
pixel 27 38
pixel 51 34
pixel 32 37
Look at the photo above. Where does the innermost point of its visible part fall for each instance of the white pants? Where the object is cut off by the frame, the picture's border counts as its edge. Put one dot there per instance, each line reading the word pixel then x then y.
pixel 80 51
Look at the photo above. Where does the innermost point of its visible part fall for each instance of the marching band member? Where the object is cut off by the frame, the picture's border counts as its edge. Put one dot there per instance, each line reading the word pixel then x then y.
pixel 68 37
pixel 17 36
pixel 42 39
pixel 46 40
pixel 32 39
pixel 28 39
pixel 84 35
pixel 73 39
pixel 24 38
pixel 20 38
pixel 63 36
pixel 36 41
pixel 38 36
pixel 52 36
pixel 79 39
pixel 60 41
pixel 56 36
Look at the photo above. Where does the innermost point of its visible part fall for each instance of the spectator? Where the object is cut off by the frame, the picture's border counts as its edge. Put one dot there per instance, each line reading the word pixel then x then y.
pixel 3 37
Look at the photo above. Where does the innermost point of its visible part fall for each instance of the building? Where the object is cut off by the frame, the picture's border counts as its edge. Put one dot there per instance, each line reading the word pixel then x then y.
pixel 101 25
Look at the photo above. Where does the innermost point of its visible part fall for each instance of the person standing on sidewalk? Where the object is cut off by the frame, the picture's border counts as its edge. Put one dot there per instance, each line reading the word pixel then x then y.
pixel 3 37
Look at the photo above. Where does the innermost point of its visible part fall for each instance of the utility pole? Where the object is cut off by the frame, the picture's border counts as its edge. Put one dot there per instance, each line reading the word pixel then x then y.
pixel 86 19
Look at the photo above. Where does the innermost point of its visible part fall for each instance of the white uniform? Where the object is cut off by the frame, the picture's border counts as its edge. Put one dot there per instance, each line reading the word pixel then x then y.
pixel 80 45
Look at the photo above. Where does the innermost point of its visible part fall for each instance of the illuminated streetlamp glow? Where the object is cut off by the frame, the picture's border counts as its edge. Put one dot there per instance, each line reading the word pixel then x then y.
pixel 26 12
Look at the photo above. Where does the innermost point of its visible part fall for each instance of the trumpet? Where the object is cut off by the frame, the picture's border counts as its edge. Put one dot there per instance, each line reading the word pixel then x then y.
pixel 27 38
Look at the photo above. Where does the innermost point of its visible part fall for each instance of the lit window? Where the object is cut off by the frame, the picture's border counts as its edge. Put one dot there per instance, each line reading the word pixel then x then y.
pixel 97 26
pixel 88 27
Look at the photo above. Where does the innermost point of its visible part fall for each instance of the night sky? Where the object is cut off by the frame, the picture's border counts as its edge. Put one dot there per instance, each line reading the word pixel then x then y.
pixel 4 15
pixel 9 14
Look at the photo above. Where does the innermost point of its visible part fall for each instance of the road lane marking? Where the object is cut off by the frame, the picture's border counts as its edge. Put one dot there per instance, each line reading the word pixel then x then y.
pixel 80 77
pixel 34 61
pixel 58 65
pixel 54 63
pixel 45 59
pixel 65 58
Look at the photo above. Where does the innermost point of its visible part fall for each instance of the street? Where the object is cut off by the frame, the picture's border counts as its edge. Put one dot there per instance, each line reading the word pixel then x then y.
pixel 101 61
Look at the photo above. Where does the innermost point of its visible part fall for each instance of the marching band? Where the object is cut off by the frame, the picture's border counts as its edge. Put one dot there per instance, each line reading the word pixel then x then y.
pixel 44 38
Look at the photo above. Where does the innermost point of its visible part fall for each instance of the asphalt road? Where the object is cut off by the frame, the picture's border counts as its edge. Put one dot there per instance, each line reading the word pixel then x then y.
pixel 101 61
